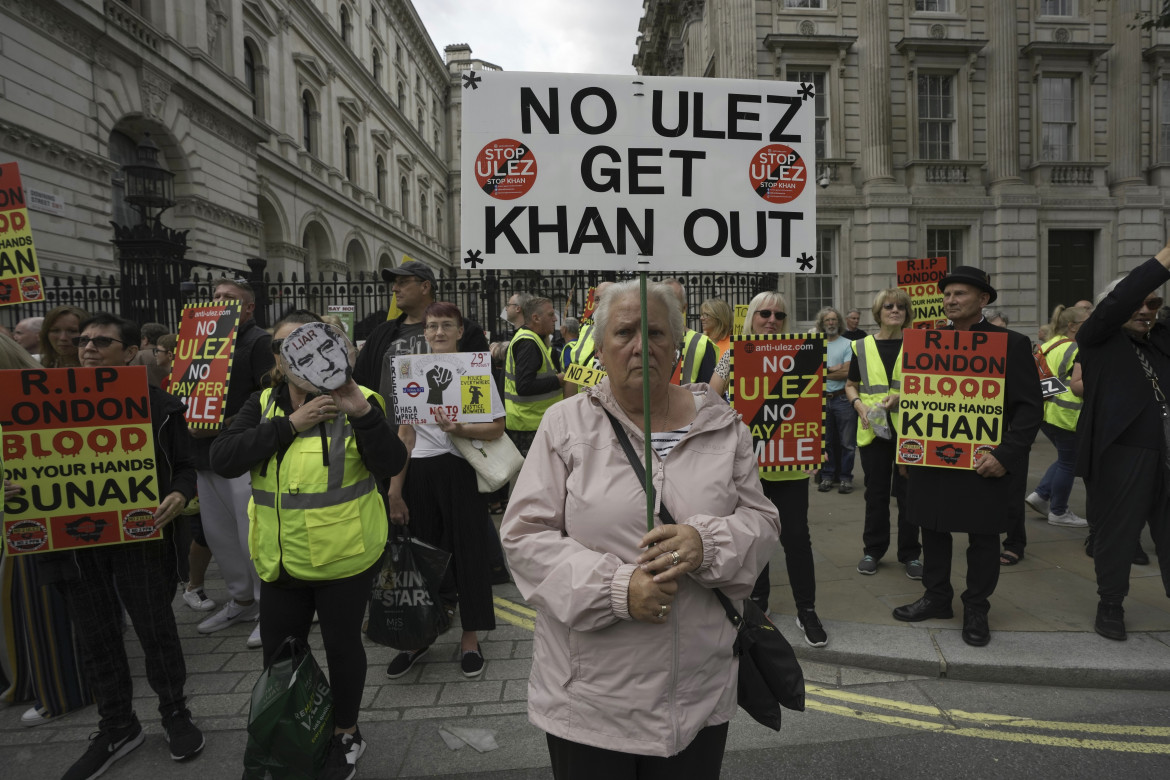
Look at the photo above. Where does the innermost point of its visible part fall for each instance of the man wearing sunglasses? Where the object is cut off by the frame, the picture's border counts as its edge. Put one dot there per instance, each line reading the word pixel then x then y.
pixel 982 502
pixel 142 576
pixel 1124 432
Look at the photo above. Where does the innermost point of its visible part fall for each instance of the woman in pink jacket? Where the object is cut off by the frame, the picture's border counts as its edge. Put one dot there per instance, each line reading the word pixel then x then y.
pixel 632 671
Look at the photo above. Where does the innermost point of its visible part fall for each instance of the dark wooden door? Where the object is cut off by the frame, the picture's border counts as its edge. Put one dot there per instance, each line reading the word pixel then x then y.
pixel 1070 267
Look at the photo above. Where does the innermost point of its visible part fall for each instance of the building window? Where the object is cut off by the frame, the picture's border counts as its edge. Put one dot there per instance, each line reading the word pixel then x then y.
pixel 398 53
pixel 932 5
pixel 420 121
pixel 820 86
pixel 422 212
pixel 308 118
pixel 346 26
pixel 815 291
pixel 350 154
pixel 250 74
pixel 401 97
pixel 404 198
pixel 1164 121
pixel 1058 123
pixel 378 67
pixel 936 117
pixel 380 172
pixel 439 224
pixel 1056 8
pixel 374 17
pixel 436 136
pixel 945 242
pixel 804 3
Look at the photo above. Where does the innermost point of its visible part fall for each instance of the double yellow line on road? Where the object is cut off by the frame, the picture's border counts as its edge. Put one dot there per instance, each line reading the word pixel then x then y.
pixel 983 725
pixel 980 725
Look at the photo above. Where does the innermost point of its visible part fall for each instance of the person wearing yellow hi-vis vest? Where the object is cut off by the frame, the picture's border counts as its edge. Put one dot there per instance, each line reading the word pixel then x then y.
pixel 697 355
pixel 318 520
pixel 531 381
pixel 582 350
pixel 875 379
pixel 1061 413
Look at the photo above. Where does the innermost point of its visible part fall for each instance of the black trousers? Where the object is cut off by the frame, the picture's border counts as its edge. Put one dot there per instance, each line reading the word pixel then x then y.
pixel 699 760
pixel 982 568
pixel 340 606
pixel 144 576
pixel 882 480
pixel 1128 489
pixel 448 512
pixel 791 500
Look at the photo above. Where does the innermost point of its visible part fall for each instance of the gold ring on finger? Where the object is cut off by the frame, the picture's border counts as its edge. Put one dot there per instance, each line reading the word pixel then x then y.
pixel 675 557
pixel 662 610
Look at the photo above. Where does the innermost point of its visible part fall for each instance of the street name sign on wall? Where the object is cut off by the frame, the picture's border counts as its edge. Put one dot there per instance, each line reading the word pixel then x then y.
pixel 637 173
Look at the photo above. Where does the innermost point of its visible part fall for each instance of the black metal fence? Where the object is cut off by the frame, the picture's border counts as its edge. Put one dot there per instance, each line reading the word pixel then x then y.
pixel 480 295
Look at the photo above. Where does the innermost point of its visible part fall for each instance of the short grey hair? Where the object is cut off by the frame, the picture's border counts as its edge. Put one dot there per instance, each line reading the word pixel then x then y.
pixel 532 305
pixel 655 291
pixel 571 324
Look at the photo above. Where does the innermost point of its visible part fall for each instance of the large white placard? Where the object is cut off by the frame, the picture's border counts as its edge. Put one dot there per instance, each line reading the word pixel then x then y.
pixel 459 383
pixel 633 173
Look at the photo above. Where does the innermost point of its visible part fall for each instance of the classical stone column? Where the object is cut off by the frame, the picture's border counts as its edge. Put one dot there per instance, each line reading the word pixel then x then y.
pixel 1003 93
pixel 873 47
pixel 739 39
pixel 1125 93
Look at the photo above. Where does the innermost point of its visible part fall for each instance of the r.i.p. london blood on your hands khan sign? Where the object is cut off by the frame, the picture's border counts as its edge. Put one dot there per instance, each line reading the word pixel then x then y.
pixel 637 173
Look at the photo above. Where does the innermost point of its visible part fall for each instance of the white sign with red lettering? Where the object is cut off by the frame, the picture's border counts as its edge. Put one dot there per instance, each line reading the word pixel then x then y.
pixel 632 173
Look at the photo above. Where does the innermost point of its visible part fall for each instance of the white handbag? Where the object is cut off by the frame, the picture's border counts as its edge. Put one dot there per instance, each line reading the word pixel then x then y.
pixel 495 461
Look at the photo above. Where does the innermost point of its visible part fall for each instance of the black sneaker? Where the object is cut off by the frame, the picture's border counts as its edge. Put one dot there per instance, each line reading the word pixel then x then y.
pixel 105 747
pixel 1110 622
pixel 472 662
pixel 185 738
pixel 810 624
pixel 825 486
pixel 403 662
pixel 341 760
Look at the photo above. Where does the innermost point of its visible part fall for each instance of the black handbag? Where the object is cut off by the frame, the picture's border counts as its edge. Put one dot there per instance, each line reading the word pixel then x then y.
pixel 769 674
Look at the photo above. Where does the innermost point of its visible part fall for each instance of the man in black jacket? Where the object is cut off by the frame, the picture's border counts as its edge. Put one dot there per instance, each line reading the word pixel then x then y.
pixel 413 283
pixel 981 502
pixel 142 576
pixel 1123 430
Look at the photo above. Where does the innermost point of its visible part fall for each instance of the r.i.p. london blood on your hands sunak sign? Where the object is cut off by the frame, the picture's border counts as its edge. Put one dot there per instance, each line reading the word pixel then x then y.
pixel 637 173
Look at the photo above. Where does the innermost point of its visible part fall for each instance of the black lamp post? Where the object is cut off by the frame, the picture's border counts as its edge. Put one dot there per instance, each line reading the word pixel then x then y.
pixel 150 255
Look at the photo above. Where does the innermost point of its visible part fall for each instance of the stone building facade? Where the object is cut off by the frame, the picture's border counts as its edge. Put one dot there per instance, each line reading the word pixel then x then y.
pixel 317 134
pixel 1028 137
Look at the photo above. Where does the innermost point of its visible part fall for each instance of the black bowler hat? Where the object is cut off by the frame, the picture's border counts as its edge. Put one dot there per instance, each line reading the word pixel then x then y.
pixel 969 274
pixel 409 268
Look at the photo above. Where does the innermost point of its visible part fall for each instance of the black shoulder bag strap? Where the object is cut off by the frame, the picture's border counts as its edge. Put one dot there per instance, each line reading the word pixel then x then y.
pixel 628 447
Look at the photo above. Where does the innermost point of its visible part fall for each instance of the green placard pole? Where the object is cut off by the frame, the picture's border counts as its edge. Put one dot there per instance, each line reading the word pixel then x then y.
pixel 643 276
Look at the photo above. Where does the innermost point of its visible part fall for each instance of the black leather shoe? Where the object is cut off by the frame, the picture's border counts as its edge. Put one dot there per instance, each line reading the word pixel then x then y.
pixel 1089 544
pixel 1110 621
pixel 923 609
pixel 975 630
pixel 1140 558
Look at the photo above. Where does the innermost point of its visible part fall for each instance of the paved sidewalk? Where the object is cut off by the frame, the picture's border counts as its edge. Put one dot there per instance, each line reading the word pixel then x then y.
pixel 1041 623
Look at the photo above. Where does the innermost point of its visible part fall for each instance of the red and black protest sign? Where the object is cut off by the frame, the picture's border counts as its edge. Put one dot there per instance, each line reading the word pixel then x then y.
pixel 505 169
pixel 79 443
pixel 951 405
pixel 777 173
pixel 777 385
pixel 20 275
pixel 203 360
pixel 920 278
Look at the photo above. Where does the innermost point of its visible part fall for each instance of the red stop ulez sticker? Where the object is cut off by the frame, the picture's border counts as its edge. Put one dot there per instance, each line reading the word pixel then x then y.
pixel 505 169
pixel 777 173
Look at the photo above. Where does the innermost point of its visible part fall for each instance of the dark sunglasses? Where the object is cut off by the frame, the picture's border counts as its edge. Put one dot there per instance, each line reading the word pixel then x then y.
pixel 276 346
pixel 101 342
pixel 892 306
pixel 766 313
pixel 1153 304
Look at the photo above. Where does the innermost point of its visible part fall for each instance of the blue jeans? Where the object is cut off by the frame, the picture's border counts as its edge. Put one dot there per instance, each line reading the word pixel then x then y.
pixel 1058 480
pixel 840 440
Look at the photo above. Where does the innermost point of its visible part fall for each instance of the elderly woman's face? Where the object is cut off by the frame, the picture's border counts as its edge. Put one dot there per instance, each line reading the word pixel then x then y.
pixel 620 347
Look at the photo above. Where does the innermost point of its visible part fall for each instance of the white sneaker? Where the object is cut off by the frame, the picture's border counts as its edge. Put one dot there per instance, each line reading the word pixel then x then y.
pixel 34 716
pixel 231 614
pixel 197 600
pixel 1067 519
pixel 1038 504
pixel 254 639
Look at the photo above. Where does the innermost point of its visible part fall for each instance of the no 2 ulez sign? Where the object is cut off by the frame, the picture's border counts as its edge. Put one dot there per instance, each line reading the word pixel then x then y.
pixel 637 173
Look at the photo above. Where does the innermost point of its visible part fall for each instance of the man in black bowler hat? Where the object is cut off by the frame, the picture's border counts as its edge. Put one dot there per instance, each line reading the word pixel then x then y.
pixel 980 502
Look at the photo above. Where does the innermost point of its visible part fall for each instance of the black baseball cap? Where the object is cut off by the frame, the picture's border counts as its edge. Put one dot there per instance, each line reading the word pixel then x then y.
pixel 410 268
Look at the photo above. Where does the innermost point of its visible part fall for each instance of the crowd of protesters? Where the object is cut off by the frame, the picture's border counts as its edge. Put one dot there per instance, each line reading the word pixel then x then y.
pixel 1105 411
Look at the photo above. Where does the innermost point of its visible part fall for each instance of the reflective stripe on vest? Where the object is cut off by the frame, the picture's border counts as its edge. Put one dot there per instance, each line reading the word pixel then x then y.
pixel 874 385
pixel 693 349
pixel 315 531
pixel 1062 410
pixel 584 347
pixel 524 412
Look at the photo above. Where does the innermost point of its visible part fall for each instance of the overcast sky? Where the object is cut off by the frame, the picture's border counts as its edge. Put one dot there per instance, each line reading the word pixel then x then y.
pixel 589 36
